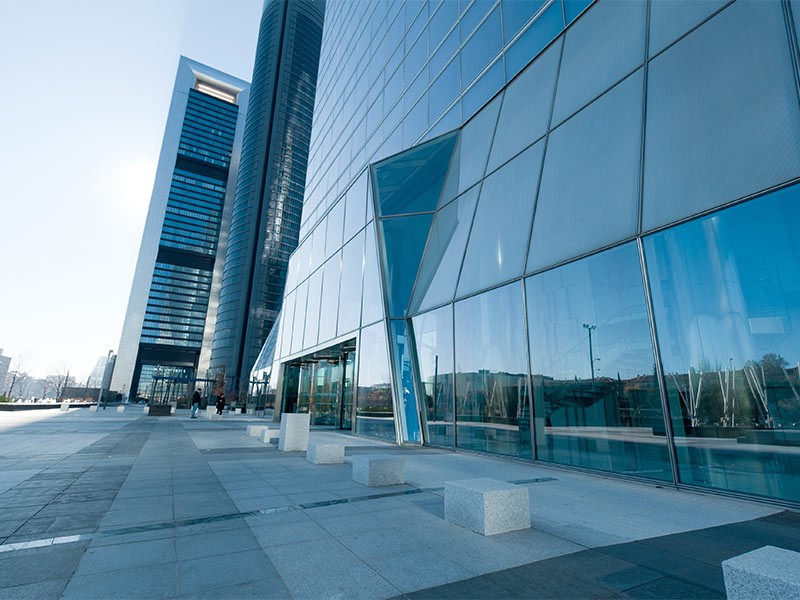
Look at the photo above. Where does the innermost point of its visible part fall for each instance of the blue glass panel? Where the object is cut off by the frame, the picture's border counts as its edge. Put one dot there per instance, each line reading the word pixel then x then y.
pixel 526 108
pixel 517 13
pixel 408 416
pixel 312 309
pixel 404 239
pixel 350 294
pixel 356 206
pixel 726 300
pixel 486 87
pixel 438 274
pixel 444 90
pixel 416 122
pixel 412 181
pixel 590 64
pixel 590 181
pixel 543 31
pixel 374 406
pixel 481 48
pixel 299 320
pixel 499 236
pixel 433 337
pixel 737 130
pixel 334 229
pixel 572 8
pixel 473 15
pixel 443 53
pixel 441 22
pixel 670 19
pixel 330 298
pixel 492 404
pixel 596 401
pixel 288 322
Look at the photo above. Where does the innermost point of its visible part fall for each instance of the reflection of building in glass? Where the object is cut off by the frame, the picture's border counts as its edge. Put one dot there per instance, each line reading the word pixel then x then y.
pixel 492 182
pixel 171 312
pixel 269 190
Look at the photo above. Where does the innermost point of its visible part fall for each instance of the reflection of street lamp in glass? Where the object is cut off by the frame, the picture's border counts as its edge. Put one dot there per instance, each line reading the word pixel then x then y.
pixel 590 328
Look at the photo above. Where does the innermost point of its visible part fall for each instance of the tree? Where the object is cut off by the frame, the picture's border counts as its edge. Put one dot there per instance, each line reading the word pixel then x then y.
pixel 18 375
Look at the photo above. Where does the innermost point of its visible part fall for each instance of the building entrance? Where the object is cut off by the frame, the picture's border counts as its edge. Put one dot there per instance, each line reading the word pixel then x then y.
pixel 322 384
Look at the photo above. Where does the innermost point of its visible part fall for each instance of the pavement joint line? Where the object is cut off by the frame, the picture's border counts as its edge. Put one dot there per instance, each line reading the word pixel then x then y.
pixel 228 517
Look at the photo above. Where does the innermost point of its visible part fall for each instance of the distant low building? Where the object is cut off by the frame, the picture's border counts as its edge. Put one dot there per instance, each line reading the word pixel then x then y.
pixel 5 363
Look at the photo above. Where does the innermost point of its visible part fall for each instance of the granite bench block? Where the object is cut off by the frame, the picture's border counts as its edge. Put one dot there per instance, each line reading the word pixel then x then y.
pixel 146 410
pixel 294 432
pixel 487 506
pixel 325 454
pixel 255 430
pixel 379 470
pixel 93 408
pixel 267 436
pixel 64 406
pixel 766 573
pixel 120 409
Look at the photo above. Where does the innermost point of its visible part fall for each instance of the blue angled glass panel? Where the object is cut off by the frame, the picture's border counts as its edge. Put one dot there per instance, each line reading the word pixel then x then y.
pixel 334 229
pixel 288 322
pixel 438 275
pixel 572 8
pixel 433 337
pixel 311 333
pixel 596 400
pixel 670 19
pixel 738 126
pixel 374 406
pixel 330 299
pixel 534 39
pixel 404 239
pixel 356 206
pixel 525 115
pixel 590 63
pixel 486 87
pixel 408 414
pixel 499 237
pixel 492 403
pixel 726 300
pixel 469 162
pixel 412 181
pixel 590 180
pixel 299 317
pixel 517 13
pixel 444 90
pixel 481 48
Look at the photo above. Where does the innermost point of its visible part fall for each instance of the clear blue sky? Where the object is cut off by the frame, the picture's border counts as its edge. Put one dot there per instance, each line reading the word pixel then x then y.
pixel 86 88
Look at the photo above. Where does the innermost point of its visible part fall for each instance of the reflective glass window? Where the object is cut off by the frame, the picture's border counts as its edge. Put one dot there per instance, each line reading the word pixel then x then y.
pixel 312 309
pixel 473 15
pixel 572 8
pixel 288 321
pixel 601 48
pixel 374 406
pixel 441 22
pixel 356 206
pixel 404 239
pixel 486 87
pixel 525 114
pixel 444 90
pixel 317 240
pixel 492 404
pixel 433 336
pixel 416 121
pixel 441 264
pixel 726 300
pixel 330 299
pixel 481 47
pixel 299 314
pixel 670 19
pixel 334 229
pixel 499 236
pixel 412 181
pixel 443 53
pixel 350 294
pixel 517 13
pixel 590 182
pixel 372 299
pixel 469 161
pixel 534 39
pixel 408 415
pixel 596 401
pixel 737 130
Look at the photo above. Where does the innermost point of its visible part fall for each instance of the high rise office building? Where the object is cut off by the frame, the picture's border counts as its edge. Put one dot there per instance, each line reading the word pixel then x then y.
pixel 269 191
pixel 559 230
pixel 166 336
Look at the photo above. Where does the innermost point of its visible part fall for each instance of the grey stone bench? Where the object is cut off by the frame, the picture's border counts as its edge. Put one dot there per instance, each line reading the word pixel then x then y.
pixel 93 408
pixel 255 430
pixel 487 506
pixel 379 470
pixel 294 432
pixel 763 574
pixel 121 409
pixel 325 454
pixel 267 435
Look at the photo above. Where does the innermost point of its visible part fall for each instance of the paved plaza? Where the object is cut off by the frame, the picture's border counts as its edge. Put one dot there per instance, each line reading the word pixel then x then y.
pixel 123 505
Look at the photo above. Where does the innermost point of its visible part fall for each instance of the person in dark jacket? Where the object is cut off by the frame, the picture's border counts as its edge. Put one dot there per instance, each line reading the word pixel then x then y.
pixel 220 403
pixel 196 398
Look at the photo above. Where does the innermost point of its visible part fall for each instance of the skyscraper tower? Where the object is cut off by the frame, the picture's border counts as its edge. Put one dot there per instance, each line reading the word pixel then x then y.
pixel 168 328
pixel 268 202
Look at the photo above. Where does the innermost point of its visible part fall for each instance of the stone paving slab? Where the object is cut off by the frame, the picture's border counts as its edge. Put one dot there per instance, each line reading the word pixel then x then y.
pixel 168 507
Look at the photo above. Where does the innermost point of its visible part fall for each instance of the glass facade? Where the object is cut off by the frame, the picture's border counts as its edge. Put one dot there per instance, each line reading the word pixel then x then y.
pixel 583 249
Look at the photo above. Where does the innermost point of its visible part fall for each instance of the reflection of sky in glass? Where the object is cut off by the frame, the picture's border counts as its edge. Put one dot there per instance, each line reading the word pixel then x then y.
pixel 374 368
pixel 604 292
pixel 727 286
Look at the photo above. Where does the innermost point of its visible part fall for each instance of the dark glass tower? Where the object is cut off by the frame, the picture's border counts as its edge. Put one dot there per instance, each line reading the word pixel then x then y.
pixel 166 338
pixel 269 192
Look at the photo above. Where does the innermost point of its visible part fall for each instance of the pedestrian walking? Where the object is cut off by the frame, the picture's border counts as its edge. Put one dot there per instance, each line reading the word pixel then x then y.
pixel 220 403
pixel 196 398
